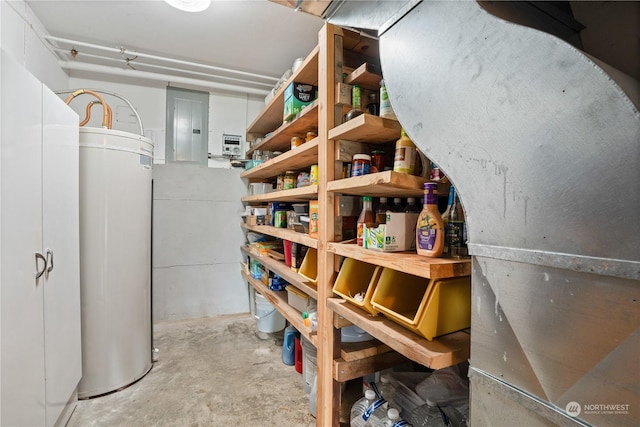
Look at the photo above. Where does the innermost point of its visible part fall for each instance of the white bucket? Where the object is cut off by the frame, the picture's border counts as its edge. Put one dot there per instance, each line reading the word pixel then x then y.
pixel 269 319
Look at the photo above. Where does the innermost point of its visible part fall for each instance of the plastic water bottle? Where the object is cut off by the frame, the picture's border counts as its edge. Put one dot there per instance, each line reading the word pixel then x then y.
pixel 428 415
pixel 288 345
pixel 386 389
pixel 366 411
pixel 393 419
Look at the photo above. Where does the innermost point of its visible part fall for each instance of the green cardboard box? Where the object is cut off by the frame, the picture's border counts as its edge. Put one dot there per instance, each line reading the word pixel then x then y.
pixel 297 96
pixel 397 235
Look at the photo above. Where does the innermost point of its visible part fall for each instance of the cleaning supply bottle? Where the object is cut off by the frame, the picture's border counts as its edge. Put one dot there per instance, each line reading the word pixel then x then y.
pixel 430 226
pixel 288 345
pixel 404 160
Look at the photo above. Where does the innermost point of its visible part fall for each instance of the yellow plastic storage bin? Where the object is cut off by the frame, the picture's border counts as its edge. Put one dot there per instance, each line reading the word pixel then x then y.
pixel 357 278
pixel 427 307
pixel 309 267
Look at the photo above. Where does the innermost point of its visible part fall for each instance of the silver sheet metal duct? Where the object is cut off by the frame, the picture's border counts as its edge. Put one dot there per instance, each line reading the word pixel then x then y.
pixel 544 150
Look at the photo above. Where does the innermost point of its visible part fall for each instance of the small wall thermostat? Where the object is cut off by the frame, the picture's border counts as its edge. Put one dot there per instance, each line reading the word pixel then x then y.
pixel 231 145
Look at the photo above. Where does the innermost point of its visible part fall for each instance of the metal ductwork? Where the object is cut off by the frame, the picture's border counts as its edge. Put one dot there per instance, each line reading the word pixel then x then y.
pixel 544 150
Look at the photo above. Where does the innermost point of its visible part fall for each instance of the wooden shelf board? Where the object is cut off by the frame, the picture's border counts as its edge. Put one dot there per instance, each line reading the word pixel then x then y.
pixel 271 116
pixel 351 351
pixel 302 194
pixel 387 183
pixel 408 262
pixel 285 272
pixel 296 159
pixel 345 370
pixel 365 76
pixel 279 302
pixel 284 233
pixel 367 128
pixel 439 353
pixel 280 139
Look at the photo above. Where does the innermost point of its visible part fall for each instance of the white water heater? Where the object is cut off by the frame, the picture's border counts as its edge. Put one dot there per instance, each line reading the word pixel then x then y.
pixel 115 259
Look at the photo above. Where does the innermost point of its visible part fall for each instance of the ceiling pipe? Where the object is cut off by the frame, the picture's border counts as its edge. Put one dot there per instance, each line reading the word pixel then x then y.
pixel 162 67
pixel 124 51
pixel 94 68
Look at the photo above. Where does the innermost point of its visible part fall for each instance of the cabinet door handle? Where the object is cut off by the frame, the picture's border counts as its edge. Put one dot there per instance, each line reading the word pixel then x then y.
pixel 49 260
pixel 39 272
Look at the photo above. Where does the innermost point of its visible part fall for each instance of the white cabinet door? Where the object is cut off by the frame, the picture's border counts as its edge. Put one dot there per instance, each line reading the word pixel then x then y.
pixel 22 365
pixel 60 213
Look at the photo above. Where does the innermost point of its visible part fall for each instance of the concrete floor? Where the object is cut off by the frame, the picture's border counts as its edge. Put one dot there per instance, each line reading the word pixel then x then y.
pixel 216 371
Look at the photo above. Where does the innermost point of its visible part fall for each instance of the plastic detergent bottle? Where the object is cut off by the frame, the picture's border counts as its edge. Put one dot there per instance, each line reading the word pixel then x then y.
pixel 363 412
pixel 430 226
pixel 288 345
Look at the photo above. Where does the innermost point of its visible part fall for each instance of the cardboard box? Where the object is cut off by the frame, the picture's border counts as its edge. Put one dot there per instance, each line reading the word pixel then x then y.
pixel 397 235
pixel 297 96
pixel 254 219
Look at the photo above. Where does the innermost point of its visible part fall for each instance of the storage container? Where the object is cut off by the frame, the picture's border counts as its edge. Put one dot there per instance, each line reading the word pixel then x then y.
pixel 356 282
pixel 309 363
pixel 309 267
pixel 297 299
pixel 428 307
pixel 269 319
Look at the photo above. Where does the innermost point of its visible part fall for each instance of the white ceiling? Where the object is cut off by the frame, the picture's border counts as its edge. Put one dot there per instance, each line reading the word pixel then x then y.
pixel 252 36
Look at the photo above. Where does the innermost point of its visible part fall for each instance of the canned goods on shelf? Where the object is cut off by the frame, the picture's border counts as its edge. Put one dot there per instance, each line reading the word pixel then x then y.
pixel 310 136
pixel 360 165
pixel 296 141
pixel 303 179
pixel 289 180
pixel 313 175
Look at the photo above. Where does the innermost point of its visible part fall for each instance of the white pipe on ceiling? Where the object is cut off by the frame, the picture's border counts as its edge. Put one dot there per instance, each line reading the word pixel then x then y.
pixel 133 65
pixel 124 51
pixel 79 66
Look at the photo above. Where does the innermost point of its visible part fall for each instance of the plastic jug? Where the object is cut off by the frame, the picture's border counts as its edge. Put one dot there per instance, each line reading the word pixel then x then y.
pixel 288 345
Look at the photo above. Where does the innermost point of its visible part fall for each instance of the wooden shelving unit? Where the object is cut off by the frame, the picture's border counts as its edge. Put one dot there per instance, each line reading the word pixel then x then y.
pixel 387 183
pixel 279 301
pixel 367 128
pixel 366 76
pixel 408 262
pixel 338 362
pixel 441 352
pixel 270 117
pixel 285 272
pixel 296 159
pixel 283 233
pixel 280 139
pixel 301 194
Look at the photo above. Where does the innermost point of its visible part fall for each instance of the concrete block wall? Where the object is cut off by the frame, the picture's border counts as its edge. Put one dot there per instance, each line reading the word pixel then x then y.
pixel 196 242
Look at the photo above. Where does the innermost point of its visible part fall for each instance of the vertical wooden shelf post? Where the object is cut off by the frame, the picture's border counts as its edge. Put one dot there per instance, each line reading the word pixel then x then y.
pixel 329 71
